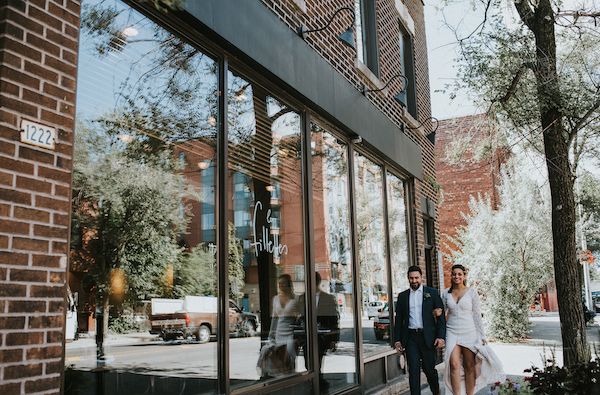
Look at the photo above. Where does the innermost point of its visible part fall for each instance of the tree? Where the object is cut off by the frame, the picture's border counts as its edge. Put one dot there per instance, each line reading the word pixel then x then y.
pixel 507 253
pixel 125 223
pixel 550 97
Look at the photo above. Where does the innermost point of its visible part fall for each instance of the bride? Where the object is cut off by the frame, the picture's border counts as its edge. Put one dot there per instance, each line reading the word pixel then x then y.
pixel 469 364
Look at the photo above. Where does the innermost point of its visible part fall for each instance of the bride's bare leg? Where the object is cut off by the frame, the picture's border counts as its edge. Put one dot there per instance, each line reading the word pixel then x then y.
pixel 455 366
pixel 468 360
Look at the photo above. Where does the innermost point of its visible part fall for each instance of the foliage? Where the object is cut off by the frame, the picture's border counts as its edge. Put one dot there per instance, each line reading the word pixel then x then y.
pixel 537 72
pixel 123 324
pixel 508 253
pixel 169 94
pixel 196 273
pixel 552 379
pixel 497 63
pixel 126 216
pixel 236 273
pixel 589 198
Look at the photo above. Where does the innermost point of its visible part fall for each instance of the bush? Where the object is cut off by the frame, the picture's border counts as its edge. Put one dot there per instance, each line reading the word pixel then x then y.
pixel 123 324
pixel 582 378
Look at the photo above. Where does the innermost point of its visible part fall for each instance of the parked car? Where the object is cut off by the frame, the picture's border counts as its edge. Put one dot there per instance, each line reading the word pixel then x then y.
pixel 196 317
pixel 381 324
pixel 373 308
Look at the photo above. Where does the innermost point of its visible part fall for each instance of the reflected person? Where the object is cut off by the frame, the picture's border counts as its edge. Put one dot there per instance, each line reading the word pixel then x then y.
pixel 279 356
pixel 328 326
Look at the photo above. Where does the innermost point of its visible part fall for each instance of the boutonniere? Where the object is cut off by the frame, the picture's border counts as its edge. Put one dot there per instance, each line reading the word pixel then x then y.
pixel 427 295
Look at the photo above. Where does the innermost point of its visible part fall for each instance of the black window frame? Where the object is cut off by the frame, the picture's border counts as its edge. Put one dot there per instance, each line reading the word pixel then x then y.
pixel 368 18
pixel 407 67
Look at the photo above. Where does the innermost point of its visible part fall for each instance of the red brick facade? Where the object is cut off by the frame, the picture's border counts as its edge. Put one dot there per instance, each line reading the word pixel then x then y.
pixel 38 53
pixel 460 181
pixel 344 60
pixel 38 66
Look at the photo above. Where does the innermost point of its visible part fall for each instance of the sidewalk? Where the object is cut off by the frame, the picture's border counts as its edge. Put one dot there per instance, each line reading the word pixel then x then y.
pixel 545 338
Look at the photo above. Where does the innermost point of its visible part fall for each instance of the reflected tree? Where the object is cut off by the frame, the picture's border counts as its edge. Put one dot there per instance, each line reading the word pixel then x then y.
pixel 125 223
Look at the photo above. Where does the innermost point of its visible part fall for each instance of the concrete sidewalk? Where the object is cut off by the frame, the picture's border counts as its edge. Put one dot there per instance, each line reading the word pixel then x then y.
pixel 543 342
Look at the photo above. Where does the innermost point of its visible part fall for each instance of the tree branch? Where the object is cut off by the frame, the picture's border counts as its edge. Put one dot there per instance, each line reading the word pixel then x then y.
pixel 525 12
pixel 512 88
pixel 585 117
pixel 578 14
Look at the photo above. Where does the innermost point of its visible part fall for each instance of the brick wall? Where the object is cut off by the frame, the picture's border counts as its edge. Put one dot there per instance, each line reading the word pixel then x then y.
pixel 38 53
pixel 343 59
pixel 469 177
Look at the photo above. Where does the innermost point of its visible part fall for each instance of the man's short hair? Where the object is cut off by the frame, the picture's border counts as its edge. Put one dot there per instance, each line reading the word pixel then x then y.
pixel 414 268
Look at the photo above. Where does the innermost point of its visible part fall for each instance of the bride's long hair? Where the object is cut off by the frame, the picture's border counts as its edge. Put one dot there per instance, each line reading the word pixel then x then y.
pixel 464 270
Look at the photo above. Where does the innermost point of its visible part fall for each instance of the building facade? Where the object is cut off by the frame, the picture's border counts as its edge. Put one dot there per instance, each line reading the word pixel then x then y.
pixel 174 175
pixel 464 174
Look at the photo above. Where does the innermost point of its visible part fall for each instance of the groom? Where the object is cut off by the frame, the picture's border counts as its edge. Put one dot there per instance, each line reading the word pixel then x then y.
pixel 420 328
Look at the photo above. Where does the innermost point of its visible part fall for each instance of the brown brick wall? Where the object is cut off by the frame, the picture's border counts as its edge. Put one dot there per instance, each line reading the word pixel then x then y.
pixel 342 59
pixel 460 181
pixel 38 51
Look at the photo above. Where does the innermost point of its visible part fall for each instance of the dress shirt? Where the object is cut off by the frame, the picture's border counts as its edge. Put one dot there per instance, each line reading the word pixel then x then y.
pixel 415 309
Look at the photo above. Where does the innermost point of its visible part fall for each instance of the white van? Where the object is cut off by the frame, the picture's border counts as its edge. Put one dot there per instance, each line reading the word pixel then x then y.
pixel 374 307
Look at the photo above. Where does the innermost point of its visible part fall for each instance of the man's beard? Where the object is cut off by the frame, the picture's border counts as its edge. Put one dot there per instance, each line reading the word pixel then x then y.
pixel 414 287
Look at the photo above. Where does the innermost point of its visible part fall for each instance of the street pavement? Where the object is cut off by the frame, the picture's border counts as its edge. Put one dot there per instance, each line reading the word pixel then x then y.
pixel 145 352
pixel 544 341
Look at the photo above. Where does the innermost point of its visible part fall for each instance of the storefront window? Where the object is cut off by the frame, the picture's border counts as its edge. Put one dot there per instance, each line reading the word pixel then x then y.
pixel 333 261
pixel 368 180
pixel 143 274
pixel 397 217
pixel 266 245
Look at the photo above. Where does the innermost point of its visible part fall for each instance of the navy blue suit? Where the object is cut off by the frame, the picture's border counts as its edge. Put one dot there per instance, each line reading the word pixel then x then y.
pixel 419 345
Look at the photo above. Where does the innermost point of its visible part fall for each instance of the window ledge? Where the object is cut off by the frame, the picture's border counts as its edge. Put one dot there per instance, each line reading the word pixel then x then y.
pixel 407 20
pixel 379 355
pixel 413 123
pixel 372 78
pixel 300 4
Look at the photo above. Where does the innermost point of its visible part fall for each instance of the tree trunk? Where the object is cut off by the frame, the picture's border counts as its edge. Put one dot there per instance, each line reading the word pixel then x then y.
pixel 568 286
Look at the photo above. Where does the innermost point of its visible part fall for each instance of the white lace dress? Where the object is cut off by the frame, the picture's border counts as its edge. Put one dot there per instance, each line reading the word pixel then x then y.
pixel 464 327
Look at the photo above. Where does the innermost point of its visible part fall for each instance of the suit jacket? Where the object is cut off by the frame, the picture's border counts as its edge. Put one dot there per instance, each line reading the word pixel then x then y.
pixel 328 318
pixel 432 328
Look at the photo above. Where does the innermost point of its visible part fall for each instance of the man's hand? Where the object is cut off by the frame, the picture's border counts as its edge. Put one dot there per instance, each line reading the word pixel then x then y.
pixel 439 343
pixel 437 312
pixel 398 347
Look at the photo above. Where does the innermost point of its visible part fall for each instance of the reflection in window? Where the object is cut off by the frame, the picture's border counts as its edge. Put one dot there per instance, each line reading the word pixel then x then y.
pixel 142 256
pixel 368 178
pixel 333 260
pixel 266 252
pixel 397 220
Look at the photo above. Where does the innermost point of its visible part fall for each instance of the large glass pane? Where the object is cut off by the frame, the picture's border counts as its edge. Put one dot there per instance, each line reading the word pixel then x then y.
pixel 368 182
pixel 142 269
pixel 333 261
pixel 266 247
pixel 397 220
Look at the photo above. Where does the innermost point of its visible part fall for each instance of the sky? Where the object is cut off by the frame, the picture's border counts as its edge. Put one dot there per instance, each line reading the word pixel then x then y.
pixel 442 53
